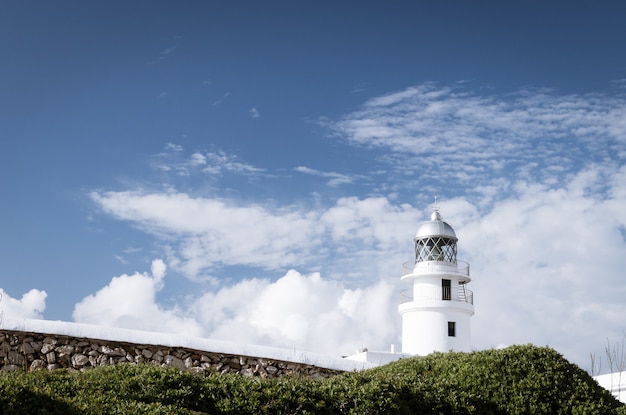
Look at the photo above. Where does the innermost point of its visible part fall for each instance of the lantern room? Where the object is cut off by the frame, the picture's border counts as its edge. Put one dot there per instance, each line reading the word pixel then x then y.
pixel 435 240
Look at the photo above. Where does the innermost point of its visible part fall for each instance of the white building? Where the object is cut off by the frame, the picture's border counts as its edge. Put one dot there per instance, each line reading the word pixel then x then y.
pixel 436 310
pixel 614 383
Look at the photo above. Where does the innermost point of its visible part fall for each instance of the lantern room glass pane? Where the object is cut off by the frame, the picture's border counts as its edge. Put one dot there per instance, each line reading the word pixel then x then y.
pixel 435 249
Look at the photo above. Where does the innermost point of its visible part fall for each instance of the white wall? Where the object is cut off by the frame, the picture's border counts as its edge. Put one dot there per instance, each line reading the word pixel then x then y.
pixel 425 331
pixel 614 383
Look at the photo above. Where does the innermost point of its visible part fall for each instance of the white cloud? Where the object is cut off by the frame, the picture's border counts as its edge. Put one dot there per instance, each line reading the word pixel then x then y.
pixel 212 232
pixel 206 234
pixel 335 179
pixel 254 113
pixel 197 159
pixel 220 161
pixel 452 136
pixel 129 301
pixel 219 101
pixel 305 312
pixel 212 163
pixel 164 54
pixel 173 147
pixel 31 305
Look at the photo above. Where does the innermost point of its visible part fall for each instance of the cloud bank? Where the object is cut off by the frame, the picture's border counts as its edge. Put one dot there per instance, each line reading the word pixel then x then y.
pixel 533 182
pixel 547 266
pixel 31 305
pixel 295 311
pixel 129 301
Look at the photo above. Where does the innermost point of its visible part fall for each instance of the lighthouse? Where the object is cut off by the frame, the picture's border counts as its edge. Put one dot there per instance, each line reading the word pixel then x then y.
pixel 436 310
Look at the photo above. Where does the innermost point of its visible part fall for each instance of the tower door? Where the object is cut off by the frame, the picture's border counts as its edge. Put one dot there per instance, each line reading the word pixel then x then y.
pixel 446 290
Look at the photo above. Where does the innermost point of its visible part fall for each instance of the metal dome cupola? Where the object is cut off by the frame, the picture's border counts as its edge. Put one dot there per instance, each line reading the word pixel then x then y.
pixel 435 240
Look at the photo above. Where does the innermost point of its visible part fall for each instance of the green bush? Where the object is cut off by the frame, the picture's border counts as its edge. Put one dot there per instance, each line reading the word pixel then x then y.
pixel 516 380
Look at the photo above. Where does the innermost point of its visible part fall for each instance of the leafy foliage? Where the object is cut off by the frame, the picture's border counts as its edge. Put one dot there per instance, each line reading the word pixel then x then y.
pixel 516 380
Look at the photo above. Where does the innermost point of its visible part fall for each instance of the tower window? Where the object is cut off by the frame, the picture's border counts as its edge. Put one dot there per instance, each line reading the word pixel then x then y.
pixel 446 290
pixel 451 329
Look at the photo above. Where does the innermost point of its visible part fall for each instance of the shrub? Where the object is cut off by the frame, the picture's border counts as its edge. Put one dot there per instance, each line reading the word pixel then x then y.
pixel 516 380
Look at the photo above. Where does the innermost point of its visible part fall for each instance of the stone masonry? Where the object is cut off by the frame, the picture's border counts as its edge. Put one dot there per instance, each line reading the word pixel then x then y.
pixel 38 351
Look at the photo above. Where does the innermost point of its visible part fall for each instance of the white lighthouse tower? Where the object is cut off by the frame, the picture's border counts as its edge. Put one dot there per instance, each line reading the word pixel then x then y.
pixel 436 311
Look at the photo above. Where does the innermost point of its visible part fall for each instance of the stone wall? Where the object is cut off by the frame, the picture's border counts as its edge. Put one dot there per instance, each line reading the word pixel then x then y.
pixel 37 351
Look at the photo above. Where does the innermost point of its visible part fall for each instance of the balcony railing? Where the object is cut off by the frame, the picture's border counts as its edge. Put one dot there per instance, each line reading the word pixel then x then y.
pixel 465 296
pixel 460 267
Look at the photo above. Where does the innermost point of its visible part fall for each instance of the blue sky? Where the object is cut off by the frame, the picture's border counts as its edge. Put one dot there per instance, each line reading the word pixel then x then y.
pixel 256 171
